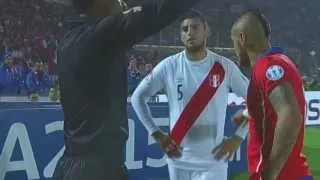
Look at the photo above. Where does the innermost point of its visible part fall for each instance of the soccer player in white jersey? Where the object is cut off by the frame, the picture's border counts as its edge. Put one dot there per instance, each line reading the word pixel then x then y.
pixel 197 82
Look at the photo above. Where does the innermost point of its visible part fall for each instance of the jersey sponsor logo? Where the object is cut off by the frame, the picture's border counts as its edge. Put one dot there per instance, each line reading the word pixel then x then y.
pixel 274 73
pixel 314 110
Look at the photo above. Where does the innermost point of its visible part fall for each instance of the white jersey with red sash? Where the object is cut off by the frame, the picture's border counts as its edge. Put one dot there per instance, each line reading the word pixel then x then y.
pixel 197 95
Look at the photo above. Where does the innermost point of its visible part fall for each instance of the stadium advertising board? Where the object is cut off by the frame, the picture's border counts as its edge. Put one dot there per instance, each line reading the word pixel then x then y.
pixel 313 107
pixel 31 139
pixel 31 142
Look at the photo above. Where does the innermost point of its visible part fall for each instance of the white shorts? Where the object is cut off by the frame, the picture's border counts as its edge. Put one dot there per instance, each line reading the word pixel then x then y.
pixel 185 174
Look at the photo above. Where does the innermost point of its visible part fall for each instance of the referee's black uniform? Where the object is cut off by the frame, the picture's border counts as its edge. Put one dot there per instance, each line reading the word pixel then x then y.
pixel 93 83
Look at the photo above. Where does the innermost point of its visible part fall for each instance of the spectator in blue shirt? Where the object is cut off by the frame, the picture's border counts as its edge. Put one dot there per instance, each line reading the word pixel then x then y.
pixel 7 77
pixel 134 75
pixel 37 80
pixel 2 79
pixel 22 70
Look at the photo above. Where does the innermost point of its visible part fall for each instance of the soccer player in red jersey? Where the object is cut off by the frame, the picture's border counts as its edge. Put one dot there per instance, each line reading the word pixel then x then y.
pixel 276 103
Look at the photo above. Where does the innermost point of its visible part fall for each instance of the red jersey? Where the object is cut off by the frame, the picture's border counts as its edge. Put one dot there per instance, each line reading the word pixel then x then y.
pixel 273 69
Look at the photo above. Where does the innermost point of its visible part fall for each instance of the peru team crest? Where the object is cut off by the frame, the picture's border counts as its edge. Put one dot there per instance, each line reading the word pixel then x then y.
pixel 215 80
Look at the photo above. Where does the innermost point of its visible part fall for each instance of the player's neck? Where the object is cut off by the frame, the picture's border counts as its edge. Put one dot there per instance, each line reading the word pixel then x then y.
pixel 256 56
pixel 196 55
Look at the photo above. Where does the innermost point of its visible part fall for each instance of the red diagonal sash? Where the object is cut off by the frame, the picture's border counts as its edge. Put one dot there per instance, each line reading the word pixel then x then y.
pixel 198 102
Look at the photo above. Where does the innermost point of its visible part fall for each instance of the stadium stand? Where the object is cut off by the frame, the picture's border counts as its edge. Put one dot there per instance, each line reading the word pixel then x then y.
pixel 30 29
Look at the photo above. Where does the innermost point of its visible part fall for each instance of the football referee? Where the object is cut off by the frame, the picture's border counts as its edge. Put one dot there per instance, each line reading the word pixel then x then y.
pixel 93 83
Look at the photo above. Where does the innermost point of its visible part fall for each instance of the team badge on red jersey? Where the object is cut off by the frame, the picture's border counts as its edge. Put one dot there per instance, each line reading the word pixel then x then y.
pixel 274 73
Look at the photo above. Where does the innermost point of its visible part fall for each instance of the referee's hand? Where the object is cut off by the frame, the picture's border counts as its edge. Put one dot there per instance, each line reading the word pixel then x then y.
pixel 167 144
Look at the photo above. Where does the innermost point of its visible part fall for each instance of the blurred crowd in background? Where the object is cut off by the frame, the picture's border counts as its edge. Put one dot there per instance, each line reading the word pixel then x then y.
pixel 30 29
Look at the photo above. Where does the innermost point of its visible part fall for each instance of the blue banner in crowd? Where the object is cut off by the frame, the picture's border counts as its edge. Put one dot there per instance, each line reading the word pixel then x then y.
pixel 31 142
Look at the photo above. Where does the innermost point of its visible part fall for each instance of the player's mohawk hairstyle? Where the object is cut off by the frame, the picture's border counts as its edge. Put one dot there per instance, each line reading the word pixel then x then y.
pixel 261 18
pixel 192 13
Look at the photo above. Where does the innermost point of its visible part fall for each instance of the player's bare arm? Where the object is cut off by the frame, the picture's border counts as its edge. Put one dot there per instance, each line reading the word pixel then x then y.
pixel 287 129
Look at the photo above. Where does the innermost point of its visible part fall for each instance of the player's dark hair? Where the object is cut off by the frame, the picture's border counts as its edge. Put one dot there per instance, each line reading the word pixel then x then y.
pixel 191 14
pixel 81 6
pixel 261 18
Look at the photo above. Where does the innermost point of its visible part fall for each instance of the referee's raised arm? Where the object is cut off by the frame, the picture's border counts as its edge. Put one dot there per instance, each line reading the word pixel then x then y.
pixel 92 71
pixel 124 29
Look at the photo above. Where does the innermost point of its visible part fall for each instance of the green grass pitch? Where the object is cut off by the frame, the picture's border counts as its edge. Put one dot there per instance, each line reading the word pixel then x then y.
pixel 311 149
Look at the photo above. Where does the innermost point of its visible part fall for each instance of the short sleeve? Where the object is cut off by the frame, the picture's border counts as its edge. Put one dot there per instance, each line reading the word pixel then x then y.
pixel 272 73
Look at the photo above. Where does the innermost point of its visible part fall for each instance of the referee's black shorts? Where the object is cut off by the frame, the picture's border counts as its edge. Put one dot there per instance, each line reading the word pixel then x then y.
pixel 89 168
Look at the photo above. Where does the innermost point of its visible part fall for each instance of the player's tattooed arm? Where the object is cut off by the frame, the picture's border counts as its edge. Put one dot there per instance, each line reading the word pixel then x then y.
pixel 287 129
